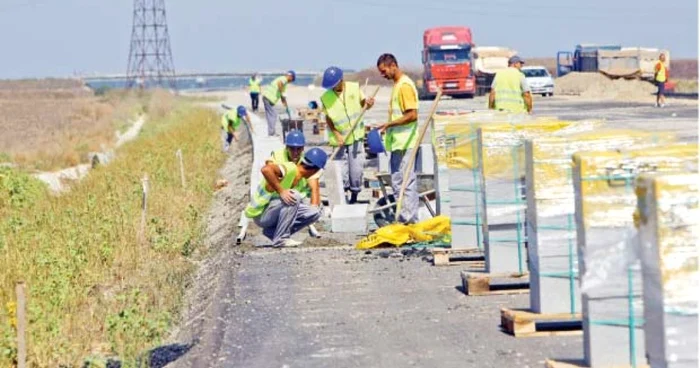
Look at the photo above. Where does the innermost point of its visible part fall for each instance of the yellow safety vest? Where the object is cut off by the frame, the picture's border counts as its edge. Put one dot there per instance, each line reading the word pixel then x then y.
pixel 272 91
pixel 344 109
pixel 509 94
pixel 404 136
pixel 280 157
pixel 661 75
pixel 262 197
pixel 230 118
pixel 254 85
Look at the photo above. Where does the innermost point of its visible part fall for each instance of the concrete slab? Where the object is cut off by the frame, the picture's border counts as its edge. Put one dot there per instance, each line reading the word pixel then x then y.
pixel 349 218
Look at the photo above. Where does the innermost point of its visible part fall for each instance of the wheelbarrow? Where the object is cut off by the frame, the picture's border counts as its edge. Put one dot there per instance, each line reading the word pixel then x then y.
pixel 384 210
pixel 289 124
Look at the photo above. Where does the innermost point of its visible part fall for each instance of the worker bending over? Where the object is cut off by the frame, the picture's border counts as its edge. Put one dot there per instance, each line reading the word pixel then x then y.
pixel 230 122
pixel 277 205
pixel 273 93
pixel 401 134
pixel 342 104
pixel 509 90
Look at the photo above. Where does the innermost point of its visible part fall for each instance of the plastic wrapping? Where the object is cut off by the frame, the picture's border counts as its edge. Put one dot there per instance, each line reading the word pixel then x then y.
pixel 605 214
pixel 669 229
pixel 437 227
pixel 550 216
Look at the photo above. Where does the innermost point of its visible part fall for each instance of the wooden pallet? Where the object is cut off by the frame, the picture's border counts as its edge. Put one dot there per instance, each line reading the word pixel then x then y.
pixel 453 257
pixel 521 323
pixel 549 363
pixel 479 284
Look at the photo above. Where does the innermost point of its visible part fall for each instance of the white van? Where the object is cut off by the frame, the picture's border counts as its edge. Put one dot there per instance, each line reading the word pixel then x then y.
pixel 539 80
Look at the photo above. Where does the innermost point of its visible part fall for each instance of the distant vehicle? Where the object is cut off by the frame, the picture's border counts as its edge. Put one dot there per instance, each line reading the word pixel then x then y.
pixel 583 59
pixel 487 61
pixel 447 62
pixel 539 80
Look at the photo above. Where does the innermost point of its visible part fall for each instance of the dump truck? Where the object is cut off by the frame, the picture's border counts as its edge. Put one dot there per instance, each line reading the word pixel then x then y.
pixel 487 61
pixel 614 61
pixel 447 62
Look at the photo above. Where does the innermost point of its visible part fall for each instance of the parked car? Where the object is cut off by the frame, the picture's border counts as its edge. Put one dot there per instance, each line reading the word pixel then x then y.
pixel 539 79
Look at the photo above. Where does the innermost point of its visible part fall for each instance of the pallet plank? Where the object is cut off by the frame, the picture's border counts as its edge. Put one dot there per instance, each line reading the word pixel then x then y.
pixel 481 284
pixel 549 363
pixel 521 323
pixel 452 257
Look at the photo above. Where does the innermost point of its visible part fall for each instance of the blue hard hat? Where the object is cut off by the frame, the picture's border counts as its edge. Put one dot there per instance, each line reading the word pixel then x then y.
pixel 315 157
pixel 241 111
pixel 331 77
pixel 295 139
pixel 293 74
pixel 374 142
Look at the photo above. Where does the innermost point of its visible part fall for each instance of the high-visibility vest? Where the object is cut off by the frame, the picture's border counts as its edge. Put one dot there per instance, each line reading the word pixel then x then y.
pixel 262 197
pixel 254 85
pixel 509 94
pixel 661 75
pixel 404 136
pixel 344 109
pixel 281 156
pixel 230 118
pixel 272 91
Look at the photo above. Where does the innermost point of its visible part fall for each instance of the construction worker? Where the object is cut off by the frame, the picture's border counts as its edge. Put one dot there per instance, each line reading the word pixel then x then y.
pixel 509 90
pixel 401 134
pixel 660 77
pixel 273 93
pixel 292 152
pixel 342 104
pixel 230 122
pixel 277 205
pixel 254 90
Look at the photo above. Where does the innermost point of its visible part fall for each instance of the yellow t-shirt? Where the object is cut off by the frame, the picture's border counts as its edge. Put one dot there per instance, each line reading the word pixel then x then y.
pixel 407 98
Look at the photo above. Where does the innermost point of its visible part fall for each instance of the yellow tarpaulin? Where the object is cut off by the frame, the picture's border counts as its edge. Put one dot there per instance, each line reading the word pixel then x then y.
pixel 400 234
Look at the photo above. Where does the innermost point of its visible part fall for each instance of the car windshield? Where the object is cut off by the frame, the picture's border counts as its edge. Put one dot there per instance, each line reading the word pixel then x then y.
pixel 530 73
pixel 449 56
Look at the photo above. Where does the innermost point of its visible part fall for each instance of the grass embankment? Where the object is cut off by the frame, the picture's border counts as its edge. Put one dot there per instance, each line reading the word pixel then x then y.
pixel 93 289
pixel 54 124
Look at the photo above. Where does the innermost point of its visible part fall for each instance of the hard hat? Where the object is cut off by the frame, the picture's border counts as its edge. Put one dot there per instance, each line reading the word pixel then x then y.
pixel 295 139
pixel 331 77
pixel 315 157
pixel 241 111
pixel 374 142
pixel 294 75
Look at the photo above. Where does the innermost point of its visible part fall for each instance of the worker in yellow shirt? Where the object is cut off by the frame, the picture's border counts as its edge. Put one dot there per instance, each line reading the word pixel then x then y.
pixel 342 103
pixel 230 122
pixel 401 134
pixel 274 93
pixel 661 77
pixel 254 90
pixel 510 91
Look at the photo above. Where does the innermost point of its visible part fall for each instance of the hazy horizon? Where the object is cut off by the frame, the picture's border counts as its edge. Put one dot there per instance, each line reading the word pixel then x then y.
pixel 59 39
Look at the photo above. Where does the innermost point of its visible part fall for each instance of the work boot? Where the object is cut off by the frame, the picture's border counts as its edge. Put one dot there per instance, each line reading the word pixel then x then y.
pixel 353 198
pixel 288 243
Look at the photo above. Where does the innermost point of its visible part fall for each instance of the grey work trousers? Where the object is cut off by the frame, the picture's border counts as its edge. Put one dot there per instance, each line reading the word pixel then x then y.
pixel 270 116
pixel 397 164
pixel 352 156
pixel 280 220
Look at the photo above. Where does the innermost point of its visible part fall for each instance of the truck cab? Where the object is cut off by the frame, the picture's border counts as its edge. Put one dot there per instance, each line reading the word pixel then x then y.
pixel 447 62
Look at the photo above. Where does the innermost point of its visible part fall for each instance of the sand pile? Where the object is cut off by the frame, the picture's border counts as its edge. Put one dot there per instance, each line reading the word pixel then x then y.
pixel 598 86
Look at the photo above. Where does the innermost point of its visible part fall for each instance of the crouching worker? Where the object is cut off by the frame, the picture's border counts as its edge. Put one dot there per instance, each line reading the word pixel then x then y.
pixel 278 207
pixel 230 122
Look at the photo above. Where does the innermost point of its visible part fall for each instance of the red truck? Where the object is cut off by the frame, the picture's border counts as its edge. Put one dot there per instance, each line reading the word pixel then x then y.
pixel 447 62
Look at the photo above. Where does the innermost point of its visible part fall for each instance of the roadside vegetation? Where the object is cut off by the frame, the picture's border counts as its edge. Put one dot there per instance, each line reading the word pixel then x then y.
pixel 94 290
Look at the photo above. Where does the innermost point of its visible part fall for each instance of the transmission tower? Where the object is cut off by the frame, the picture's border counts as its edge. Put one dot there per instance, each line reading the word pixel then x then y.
pixel 150 58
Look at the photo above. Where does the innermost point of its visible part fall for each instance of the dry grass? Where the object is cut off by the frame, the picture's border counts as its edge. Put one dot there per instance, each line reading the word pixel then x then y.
pixel 93 289
pixel 52 124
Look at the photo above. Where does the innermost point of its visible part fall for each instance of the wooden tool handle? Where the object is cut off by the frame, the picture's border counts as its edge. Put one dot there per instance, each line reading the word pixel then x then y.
pixel 414 152
pixel 352 128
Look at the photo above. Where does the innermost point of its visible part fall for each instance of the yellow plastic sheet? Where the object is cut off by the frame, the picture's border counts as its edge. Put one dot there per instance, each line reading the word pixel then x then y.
pixel 400 234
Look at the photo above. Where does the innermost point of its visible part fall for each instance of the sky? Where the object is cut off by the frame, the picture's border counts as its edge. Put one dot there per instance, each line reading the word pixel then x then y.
pixel 59 38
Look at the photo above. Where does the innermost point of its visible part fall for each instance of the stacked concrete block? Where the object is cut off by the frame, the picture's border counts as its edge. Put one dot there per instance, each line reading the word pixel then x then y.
pixel 551 227
pixel 611 281
pixel 669 229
